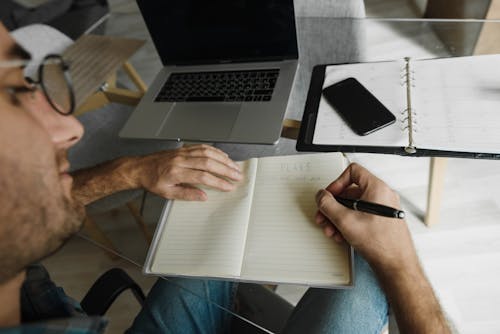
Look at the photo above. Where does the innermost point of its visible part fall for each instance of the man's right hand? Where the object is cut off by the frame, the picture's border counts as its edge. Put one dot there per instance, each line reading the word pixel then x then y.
pixel 384 242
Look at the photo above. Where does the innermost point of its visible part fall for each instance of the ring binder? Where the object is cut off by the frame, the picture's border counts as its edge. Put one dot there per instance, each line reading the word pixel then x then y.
pixel 457 100
pixel 411 148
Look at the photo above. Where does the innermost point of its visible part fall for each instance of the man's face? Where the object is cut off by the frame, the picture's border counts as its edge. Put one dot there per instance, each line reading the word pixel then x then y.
pixel 37 213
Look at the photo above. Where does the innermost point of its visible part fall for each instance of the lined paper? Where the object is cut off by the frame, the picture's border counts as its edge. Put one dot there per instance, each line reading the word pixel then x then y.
pixel 457 103
pixel 385 81
pixel 207 238
pixel 283 243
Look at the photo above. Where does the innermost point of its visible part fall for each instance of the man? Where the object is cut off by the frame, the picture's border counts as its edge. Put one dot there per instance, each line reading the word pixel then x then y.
pixel 38 213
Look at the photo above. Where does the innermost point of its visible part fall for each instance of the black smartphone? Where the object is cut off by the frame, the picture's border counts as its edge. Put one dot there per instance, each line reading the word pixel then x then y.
pixel 362 111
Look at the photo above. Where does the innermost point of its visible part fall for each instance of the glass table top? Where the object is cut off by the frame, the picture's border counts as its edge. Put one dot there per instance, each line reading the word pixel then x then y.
pixel 321 40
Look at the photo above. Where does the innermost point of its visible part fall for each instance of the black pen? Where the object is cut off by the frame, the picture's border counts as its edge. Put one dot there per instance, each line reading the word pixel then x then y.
pixel 369 207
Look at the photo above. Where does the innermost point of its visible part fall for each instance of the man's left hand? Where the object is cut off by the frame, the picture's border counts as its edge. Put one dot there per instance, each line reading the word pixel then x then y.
pixel 173 174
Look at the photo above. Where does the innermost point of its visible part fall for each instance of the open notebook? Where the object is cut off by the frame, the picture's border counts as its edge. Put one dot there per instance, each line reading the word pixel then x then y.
pixel 263 231
pixel 444 106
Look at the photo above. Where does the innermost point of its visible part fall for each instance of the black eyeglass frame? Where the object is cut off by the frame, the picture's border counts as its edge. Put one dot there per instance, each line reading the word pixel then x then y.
pixel 65 69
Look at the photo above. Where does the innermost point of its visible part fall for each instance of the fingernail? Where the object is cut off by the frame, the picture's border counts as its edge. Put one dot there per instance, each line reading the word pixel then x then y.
pixel 320 219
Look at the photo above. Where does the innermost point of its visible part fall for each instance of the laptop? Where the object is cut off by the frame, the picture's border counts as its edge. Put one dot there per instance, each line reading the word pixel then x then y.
pixel 229 66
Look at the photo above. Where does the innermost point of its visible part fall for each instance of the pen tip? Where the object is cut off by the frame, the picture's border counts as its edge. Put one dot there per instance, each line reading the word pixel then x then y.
pixel 401 214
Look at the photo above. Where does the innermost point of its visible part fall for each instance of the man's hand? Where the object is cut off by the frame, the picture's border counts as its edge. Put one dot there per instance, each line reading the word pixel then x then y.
pixel 171 174
pixel 174 174
pixel 383 242
pixel 386 244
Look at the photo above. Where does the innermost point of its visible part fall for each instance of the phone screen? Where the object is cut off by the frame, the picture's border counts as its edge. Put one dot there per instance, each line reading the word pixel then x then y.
pixel 357 106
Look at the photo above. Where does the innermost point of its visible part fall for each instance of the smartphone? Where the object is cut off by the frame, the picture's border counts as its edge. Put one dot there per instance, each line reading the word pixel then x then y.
pixel 359 108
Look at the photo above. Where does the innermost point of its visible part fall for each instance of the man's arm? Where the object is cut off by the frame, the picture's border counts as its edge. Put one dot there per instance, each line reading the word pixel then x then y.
pixel 171 174
pixel 412 298
pixel 387 246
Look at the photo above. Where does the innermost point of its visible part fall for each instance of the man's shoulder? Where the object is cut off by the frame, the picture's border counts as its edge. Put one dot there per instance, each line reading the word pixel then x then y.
pixel 45 308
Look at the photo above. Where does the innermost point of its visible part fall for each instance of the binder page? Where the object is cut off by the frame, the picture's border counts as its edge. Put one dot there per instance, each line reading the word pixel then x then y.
pixel 207 238
pixel 385 80
pixel 284 244
pixel 458 104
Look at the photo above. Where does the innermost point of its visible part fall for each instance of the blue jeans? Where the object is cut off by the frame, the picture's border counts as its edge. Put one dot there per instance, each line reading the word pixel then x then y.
pixel 182 306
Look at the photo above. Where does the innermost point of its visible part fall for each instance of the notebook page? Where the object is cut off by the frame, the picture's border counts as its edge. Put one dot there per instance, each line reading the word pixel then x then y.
pixel 207 238
pixel 457 104
pixel 283 243
pixel 384 80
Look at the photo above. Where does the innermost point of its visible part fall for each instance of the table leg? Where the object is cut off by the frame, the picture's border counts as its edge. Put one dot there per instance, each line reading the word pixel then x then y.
pixel 290 128
pixel 436 182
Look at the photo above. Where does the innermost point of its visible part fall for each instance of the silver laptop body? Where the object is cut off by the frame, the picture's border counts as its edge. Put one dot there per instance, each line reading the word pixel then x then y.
pixel 243 110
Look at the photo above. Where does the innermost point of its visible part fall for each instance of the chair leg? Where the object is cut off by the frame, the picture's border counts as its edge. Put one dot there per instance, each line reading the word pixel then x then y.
pixel 95 232
pixel 436 184
pixel 140 221
pixel 134 76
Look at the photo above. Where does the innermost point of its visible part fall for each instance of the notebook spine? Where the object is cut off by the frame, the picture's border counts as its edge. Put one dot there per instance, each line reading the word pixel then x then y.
pixel 410 112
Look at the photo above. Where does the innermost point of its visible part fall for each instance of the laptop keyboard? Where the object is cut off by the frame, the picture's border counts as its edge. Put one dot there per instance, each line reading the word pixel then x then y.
pixel 247 86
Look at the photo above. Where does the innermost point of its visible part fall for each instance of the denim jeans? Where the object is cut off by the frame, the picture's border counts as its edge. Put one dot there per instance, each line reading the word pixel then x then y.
pixel 178 305
pixel 362 309
pixel 181 305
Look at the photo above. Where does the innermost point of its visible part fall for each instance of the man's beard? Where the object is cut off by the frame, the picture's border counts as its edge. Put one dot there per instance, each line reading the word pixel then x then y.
pixel 38 235
pixel 74 216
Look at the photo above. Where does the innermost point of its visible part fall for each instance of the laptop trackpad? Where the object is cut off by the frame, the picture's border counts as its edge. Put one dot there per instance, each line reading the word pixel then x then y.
pixel 202 121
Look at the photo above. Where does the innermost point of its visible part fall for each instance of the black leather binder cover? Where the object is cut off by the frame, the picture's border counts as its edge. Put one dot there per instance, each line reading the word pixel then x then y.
pixel 308 126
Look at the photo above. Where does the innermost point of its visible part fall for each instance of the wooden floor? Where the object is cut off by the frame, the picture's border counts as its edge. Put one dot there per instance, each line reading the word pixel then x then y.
pixel 461 255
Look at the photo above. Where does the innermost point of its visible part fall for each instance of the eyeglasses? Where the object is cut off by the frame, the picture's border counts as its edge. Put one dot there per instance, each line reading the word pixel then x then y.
pixel 54 80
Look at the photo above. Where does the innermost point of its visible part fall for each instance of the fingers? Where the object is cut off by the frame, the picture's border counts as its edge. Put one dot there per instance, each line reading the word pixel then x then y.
pixel 204 164
pixel 331 209
pixel 210 159
pixel 168 173
pixel 354 174
pixel 212 153
pixel 205 178
pixel 353 192
pixel 185 193
pixel 328 228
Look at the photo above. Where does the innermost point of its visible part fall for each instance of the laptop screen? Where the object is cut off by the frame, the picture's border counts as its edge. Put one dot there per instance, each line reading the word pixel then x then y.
pixel 213 31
